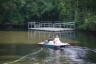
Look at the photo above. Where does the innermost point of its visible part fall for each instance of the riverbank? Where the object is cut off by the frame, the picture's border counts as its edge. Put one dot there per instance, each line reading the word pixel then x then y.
pixel 24 27
pixel 86 31
pixel 11 27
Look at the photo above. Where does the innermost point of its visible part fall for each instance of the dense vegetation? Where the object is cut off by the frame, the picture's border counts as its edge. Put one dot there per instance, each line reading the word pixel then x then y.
pixel 86 14
pixel 19 12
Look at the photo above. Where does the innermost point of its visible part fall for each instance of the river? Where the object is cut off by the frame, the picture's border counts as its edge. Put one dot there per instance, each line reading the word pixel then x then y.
pixel 20 47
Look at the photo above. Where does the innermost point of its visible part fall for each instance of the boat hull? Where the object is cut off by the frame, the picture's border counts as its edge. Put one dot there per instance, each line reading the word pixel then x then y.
pixel 55 47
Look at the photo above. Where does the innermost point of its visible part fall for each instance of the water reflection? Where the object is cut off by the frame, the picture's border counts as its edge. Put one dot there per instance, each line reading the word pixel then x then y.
pixel 43 35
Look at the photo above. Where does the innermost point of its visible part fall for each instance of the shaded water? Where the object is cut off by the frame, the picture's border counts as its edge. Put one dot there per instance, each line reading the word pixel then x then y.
pixel 20 48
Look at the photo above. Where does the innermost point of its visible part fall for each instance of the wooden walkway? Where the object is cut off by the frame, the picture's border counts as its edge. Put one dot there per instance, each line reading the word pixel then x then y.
pixel 52 29
pixel 51 26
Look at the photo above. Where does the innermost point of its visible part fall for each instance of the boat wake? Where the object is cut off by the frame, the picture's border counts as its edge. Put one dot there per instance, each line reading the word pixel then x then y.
pixel 71 55
pixel 25 57
pixel 78 54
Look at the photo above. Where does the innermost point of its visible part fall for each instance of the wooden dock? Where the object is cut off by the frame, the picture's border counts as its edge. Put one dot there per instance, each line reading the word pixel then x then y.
pixel 51 26
pixel 52 29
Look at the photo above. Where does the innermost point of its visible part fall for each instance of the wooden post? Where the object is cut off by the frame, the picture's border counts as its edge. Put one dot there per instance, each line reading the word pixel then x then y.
pixel 64 25
pixel 40 25
pixel 31 24
pixel 28 25
pixel 59 25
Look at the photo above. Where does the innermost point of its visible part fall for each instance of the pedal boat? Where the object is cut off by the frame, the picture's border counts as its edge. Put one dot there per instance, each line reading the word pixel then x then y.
pixel 54 43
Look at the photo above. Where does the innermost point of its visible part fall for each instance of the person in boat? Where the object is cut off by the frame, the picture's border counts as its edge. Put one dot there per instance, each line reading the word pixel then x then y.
pixel 50 39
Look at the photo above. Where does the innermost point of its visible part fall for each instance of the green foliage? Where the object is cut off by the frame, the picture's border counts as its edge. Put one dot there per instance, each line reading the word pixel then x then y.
pixel 83 12
pixel 20 11
pixel 65 9
pixel 89 24
pixel 86 15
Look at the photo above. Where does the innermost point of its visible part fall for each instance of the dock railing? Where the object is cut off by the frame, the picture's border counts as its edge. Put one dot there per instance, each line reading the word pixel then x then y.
pixel 64 25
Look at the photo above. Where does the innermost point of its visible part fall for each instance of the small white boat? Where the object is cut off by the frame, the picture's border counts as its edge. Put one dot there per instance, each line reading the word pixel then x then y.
pixel 53 43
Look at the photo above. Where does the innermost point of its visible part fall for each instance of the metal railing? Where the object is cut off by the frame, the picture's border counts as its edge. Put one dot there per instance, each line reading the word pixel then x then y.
pixel 51 25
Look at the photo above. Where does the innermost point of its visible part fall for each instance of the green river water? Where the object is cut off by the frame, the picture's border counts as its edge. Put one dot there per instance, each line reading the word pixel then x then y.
pixel 20 47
